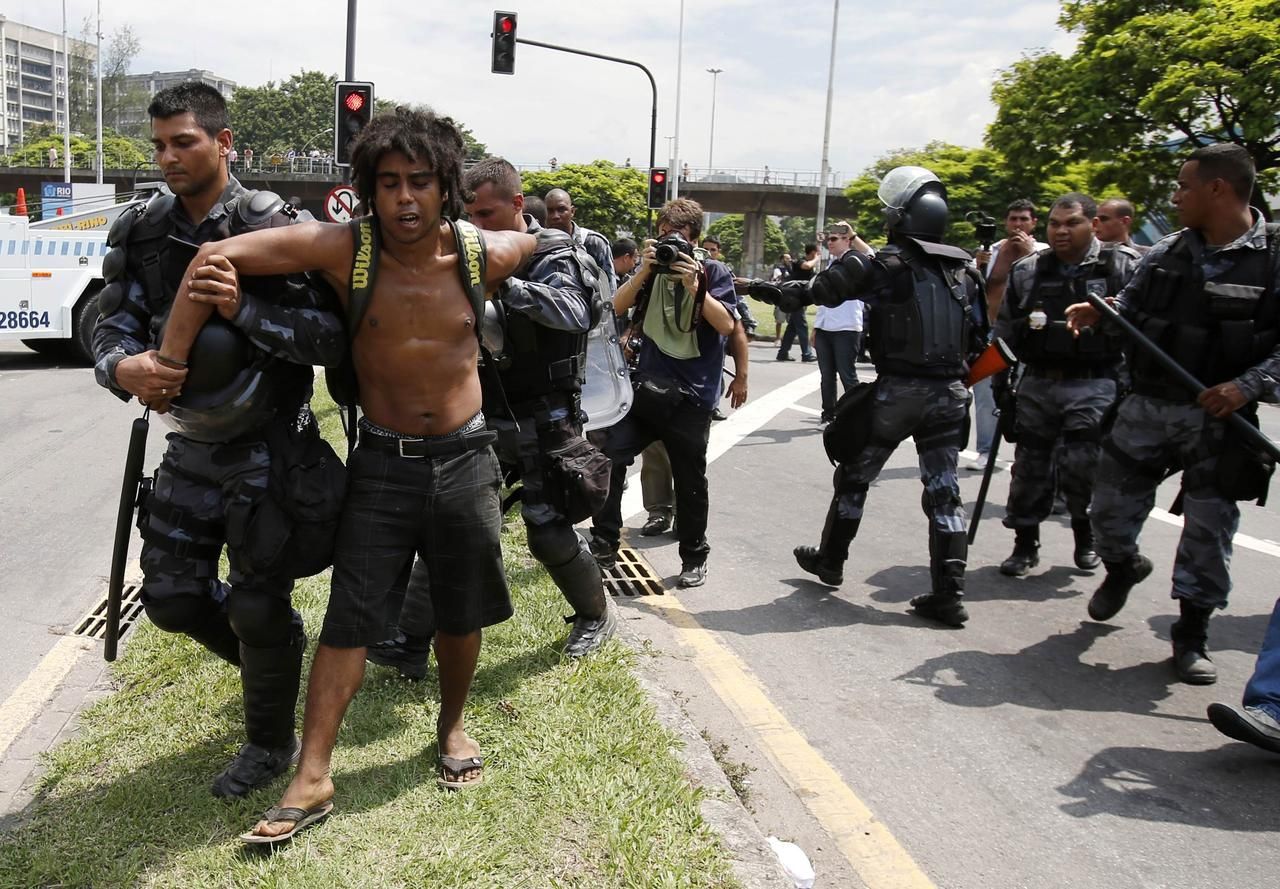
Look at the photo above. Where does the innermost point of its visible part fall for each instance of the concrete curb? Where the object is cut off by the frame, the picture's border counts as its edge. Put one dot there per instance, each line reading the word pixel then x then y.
pixel 753 862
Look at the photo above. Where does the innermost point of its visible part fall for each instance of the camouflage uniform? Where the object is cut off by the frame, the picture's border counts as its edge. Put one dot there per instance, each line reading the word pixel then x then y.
pixel 1160 428
pixel 927 318
pixel 205 490
pixel 1067 387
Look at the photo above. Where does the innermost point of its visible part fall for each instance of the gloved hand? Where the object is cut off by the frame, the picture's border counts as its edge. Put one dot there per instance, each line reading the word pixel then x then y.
pixel 790 296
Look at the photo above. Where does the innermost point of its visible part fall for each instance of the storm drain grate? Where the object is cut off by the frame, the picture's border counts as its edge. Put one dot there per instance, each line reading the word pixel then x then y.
pixel 632 576
pixel 94 624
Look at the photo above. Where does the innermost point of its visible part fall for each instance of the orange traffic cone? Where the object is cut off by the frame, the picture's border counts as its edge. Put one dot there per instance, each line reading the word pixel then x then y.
pixel 995 358
pixel 21 207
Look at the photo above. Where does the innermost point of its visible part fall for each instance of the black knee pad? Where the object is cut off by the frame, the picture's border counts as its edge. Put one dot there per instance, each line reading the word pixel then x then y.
pixel 554 543
pixel 179 614
pixel 262 621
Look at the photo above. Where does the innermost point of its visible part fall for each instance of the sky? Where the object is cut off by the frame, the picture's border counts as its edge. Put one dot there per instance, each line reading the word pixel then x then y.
pixel 906 73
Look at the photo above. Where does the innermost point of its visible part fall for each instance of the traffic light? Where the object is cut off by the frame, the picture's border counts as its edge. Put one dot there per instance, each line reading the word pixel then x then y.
pixel 353 107
pixel 657 187
pixel 504 43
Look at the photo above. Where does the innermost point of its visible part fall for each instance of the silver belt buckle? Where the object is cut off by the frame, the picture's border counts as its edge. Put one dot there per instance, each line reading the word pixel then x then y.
pixel 400 447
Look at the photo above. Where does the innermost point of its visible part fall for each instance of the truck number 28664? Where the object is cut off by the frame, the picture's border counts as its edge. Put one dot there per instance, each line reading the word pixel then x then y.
pixel 23 320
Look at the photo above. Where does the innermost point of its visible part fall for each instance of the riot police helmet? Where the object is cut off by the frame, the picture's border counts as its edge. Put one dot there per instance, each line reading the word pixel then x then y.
pixel 915 203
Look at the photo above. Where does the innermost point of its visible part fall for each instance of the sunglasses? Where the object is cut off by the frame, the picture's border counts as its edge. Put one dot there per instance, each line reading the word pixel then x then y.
pixel 831 238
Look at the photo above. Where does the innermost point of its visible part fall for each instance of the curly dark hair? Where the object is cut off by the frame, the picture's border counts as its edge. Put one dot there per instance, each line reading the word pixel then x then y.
pixel 423 137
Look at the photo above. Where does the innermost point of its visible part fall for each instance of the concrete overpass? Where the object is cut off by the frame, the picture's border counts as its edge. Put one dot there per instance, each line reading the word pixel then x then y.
pixel 755 193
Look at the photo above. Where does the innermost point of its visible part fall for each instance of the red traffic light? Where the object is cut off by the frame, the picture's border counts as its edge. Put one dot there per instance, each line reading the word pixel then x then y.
pixel 354 101
pixel 659 178
pixel 506 24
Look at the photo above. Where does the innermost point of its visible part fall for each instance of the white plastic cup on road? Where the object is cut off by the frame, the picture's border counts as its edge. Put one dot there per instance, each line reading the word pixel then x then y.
pixel 794 862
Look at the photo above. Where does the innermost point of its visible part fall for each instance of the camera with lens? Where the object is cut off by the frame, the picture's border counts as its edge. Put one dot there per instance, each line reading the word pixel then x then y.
pixel 670 248
pixel 983 226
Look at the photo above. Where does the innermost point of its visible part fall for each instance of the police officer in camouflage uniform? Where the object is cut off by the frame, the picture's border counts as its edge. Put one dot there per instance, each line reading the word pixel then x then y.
pixel 248 375
pixel 1208 296
pixel 1068 382
pixel 927 319
pixel 536 333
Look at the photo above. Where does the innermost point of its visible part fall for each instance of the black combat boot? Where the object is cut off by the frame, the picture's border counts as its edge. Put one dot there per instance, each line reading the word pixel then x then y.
pixel 826 560
pixel 1026 552
pixel 948 554
pixel 1190 636
pixel 1114 591
pixel 1086 557
pixel 594 619
pixel 271 677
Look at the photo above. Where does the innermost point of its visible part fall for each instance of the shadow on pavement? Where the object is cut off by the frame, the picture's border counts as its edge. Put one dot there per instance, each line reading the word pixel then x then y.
pixel 811 606
pixel 1047 675
pixel 1231 788
pixel 1234 632
pixel 987 584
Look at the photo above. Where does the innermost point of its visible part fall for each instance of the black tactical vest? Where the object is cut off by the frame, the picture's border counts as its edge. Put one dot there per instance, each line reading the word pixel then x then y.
pixel 542 368
pixel 1216 329
pixel 924 328
pixel 233 387
pixel 1054 345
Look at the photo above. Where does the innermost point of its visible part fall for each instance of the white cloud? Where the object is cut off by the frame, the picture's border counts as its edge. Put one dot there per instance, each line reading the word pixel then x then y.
pixel 905 74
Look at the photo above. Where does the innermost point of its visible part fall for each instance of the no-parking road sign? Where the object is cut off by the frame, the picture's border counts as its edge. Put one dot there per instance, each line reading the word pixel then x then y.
pixel 340 205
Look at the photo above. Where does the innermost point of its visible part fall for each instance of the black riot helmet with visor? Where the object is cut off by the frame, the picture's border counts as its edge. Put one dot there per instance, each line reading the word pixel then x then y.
pixel 915 203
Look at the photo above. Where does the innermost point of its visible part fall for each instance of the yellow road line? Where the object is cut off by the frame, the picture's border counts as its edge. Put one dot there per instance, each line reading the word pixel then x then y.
pixel 873 852
pixel 30 697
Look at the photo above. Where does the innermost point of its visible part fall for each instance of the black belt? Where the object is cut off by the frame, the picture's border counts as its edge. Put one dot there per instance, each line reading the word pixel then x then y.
pixel 427 448
pixel 1071 373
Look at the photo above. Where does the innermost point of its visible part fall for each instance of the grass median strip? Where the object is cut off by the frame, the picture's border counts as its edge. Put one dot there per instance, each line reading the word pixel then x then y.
pixel 582 785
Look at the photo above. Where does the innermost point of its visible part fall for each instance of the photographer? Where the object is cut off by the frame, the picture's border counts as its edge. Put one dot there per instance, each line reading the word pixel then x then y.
pixel 684 311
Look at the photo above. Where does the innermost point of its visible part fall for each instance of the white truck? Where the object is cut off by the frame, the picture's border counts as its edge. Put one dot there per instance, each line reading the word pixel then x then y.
pixel 50 275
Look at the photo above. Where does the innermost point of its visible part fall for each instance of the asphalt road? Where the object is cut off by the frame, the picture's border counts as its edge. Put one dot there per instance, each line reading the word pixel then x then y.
pixel 1034 748
pixel 62 444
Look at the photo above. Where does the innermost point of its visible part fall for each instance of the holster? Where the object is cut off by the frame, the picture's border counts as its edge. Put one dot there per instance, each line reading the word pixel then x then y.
pixel 849 431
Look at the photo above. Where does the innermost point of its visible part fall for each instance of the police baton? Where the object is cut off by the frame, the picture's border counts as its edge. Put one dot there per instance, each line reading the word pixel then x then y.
pixel 987 472
pixel 131 491
pixel 1234 421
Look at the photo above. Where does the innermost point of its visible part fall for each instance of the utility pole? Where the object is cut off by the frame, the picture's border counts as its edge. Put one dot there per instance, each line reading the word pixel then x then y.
pixel 66 98
pixel 711 147
pixel 675 159
pixel 826 132
pixel 97 93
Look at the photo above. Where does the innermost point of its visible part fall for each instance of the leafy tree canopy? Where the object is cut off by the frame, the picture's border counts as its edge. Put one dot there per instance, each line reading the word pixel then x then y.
pixel 728 229
pixel 118 152
pixel 1148 78
pixel 607 198
pixel 977 179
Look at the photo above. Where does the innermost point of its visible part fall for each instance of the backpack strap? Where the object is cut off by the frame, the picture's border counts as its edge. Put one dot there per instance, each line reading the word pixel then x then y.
pixel 364 270
pixel 472 265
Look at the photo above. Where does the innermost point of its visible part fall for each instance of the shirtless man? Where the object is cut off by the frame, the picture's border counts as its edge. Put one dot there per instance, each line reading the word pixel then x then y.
pixel 423 476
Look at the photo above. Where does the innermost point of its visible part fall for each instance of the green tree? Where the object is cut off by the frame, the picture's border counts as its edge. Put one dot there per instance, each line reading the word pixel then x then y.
pixel 123 104
pixel 296 114
pixel 728 229
pixel 118 152
pixel 796 231
pixel 1147 79
pixel 977 180
pixel 607 198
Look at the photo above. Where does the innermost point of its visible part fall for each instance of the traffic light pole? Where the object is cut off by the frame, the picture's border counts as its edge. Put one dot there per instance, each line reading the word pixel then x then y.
pixel 351 65
pixel 653 118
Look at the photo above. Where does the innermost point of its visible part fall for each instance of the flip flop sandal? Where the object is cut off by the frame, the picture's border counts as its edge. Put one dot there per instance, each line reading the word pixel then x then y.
pixel 452 769
pixel 301 818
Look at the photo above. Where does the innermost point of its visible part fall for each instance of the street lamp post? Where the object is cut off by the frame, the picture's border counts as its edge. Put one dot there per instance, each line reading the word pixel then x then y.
pixel 715 76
